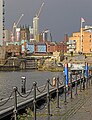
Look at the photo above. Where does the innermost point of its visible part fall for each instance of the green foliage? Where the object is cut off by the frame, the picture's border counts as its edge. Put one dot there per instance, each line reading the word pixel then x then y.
pixel 26 116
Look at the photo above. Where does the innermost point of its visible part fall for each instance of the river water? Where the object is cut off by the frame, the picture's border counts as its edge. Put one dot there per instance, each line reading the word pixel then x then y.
pixel 13 78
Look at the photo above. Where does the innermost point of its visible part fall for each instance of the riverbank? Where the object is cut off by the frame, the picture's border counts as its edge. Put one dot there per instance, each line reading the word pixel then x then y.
pixel 58 69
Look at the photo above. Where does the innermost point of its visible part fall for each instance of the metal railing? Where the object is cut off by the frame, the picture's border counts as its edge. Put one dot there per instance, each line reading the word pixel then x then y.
pixel 47 88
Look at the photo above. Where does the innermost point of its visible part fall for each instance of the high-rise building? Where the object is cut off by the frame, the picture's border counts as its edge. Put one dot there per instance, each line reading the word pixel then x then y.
pixel 35 26
pixel 47 35
pixel 31 33
pixel 2 12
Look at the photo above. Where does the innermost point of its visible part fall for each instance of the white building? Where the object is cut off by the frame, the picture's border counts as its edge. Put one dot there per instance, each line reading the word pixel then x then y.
pixel 1 21
pixel 88 29
pixel 31 33
pixel 47 35
pixel 35 26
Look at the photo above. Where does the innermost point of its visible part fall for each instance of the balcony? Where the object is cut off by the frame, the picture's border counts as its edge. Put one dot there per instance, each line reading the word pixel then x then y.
pixel 68 43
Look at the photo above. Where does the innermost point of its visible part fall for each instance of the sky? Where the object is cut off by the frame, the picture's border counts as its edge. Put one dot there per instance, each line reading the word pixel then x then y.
pixel 59 16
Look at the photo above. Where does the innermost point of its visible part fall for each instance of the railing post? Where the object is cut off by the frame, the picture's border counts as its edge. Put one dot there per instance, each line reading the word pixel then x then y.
pixel 86 74
pixel 76 84
pixel 34 102
pixel 65 87
pixel 57 92
pixel 83 81
pixel 91 77
pixel 80 82
pixel 71 84
pixel 89 80
pixel 15 103
pixel 48 99
pixel 86 82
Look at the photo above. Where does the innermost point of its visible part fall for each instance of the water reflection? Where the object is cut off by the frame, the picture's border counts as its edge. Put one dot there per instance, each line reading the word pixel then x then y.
pixel 10 79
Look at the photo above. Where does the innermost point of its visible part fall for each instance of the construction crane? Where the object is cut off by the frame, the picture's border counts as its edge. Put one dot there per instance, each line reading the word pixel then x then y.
pixel 15 26
pixel 36 21
pixel 37 15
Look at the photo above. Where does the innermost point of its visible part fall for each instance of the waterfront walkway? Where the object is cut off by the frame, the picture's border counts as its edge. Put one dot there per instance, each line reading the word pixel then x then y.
pixel 78 108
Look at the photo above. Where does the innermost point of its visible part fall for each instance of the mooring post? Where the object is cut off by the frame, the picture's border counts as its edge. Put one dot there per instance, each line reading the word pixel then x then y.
pixel 23 86
pixel 80 81
pixel 57 92
pixel 71 84
pixel 34 102
pixel 15 103
pixel 76 84
pixel 48 99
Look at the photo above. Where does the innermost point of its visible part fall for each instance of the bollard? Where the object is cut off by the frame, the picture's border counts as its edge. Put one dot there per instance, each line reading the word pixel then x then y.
pixel 54 81
pixel 57 92
pixel 48 99
pixel 23 86
pixel 65 87
pixel 15 103
pixel 71 84
pixel 76 84
pixel 80 82
pixel 34 102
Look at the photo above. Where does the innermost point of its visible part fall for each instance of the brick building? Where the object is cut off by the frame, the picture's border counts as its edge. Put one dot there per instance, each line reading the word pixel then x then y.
pixel 84 46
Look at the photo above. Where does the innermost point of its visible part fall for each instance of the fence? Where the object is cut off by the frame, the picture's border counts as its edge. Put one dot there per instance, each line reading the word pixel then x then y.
pixel 56 84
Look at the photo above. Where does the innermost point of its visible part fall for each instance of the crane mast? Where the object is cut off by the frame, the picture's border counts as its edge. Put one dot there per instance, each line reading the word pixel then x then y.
pixel 37 15
pixel 36 22
pixel 15 26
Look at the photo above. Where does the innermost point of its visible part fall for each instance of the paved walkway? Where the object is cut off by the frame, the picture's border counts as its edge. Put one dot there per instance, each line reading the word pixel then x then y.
pixel 78 108
pixel 85 110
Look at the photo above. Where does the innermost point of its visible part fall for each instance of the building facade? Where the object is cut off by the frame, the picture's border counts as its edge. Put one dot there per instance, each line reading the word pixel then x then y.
pixel 24 33
pixel 2 12
pixel 35 26
pixel 83 44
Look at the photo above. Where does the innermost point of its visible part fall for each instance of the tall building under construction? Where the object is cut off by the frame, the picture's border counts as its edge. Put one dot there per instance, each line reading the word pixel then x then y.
pixel 35 26
pixel 1 21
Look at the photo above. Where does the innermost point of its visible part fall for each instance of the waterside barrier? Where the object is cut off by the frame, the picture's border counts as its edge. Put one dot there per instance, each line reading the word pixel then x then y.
pixel 18 101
